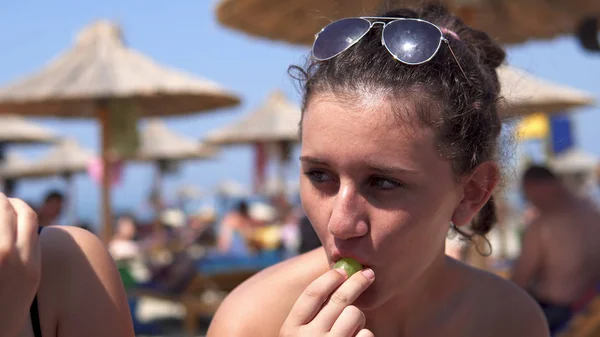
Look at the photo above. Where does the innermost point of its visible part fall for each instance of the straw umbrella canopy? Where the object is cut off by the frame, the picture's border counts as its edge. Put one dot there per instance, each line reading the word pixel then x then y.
pixel 158 142
pixel 574 160
pixel 163 146
pixel 525 94
pixel 507 21
pixel 14 129
pixel 231 188
pixel 18 130
pixel 273 124
pixel 64 159
pixel 275 120
pixel 12 164
pixel 100 77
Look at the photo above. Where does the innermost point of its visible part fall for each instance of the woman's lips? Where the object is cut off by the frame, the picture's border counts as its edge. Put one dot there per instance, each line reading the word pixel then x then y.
pixel 337 255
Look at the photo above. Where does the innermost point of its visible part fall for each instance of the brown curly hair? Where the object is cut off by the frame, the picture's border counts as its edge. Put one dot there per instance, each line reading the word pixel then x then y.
pixel 463 113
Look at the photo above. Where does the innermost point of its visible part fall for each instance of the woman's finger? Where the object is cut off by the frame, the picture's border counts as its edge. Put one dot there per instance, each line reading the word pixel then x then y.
pixel 8 224
pixel 365 333
pixel 350 321
pixel 27 227
pixel 313 297
pixel 342 297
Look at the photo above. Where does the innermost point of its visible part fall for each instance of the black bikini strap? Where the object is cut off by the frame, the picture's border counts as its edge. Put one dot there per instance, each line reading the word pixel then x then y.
pixel 34 313
pixel 35 318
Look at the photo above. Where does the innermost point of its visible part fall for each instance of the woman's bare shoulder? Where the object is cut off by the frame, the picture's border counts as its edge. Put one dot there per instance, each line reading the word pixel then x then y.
pixel 259 306
pixel 502 308
pixel 73 249
pixel 81 289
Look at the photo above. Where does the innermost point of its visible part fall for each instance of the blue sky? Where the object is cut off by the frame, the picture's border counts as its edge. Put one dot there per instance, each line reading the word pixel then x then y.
pixel 184 34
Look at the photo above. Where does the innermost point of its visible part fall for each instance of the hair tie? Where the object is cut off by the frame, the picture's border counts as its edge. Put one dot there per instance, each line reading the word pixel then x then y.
pixel 450 32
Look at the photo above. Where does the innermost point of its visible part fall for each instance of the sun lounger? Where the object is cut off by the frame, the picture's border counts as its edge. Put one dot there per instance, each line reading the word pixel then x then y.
pixel 586 323
pixel 215 277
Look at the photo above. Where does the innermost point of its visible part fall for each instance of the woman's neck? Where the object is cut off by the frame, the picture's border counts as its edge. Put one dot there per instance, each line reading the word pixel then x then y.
pixel 399 315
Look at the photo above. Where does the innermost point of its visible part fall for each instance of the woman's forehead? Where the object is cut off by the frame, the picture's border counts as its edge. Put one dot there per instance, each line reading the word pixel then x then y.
pixel 335 128
pixel 366 118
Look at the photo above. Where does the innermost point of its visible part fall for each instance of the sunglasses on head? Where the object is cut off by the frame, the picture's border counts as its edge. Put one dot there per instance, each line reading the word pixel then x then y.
pixel 410 41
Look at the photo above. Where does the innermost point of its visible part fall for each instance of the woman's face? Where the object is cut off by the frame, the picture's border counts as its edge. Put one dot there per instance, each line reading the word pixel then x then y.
pixel 375 190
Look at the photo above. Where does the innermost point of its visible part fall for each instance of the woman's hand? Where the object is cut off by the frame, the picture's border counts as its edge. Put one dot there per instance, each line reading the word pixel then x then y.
pixel 20 263
pixel 325 307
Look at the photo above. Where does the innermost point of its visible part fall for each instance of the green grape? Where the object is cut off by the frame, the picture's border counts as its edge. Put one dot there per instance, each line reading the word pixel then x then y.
pixel 351 266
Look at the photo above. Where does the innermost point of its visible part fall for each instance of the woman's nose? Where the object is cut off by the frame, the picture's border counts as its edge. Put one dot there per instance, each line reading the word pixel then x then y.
pixel 348 219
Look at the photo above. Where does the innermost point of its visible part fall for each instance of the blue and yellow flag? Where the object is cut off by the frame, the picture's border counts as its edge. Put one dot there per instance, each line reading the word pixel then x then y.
pixel 534 127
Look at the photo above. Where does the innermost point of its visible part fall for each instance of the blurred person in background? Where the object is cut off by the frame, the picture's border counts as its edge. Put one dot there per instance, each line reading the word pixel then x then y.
pixel 235 230
pixel 123 245
pixel 560 258
pixel 200 229
pixel 51 209
pixel 290 233
pixel 59 283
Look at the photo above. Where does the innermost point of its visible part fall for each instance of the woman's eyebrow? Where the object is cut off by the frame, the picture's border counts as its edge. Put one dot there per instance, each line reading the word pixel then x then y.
pixel 313 160
pixel 389 169
pixel 374 166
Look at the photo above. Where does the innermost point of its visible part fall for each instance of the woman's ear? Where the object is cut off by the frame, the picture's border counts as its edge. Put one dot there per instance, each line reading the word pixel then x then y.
pixel 477 189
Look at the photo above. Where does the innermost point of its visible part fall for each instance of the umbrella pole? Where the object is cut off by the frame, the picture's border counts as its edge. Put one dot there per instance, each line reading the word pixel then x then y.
pixel 282 168
pixel 2 159
pixel 72 199
pixel 106 160
pixel 157 194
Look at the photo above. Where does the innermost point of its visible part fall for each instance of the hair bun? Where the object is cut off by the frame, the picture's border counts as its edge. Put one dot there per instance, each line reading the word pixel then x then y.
pixel 488 51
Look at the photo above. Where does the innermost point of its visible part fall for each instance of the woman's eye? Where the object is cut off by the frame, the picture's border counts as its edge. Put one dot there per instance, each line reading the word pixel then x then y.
pixel 318 176
pixel 385 184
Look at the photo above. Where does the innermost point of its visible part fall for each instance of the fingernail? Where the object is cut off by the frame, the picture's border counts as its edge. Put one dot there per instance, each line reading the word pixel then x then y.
pixel 341 271
pixel 368 273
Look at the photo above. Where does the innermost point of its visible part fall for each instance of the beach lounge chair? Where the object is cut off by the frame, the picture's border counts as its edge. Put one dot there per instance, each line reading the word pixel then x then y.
pixel 215 276
pixel 586 323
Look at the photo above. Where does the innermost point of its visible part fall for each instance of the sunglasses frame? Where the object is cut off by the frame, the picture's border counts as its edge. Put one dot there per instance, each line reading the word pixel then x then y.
pixel 372 21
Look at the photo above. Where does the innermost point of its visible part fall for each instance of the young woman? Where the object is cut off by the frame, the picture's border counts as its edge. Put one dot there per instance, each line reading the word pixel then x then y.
pixel 399 133
pixel 60 283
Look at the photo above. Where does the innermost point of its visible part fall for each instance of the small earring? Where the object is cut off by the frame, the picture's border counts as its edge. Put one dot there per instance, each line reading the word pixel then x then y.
pixel 452 225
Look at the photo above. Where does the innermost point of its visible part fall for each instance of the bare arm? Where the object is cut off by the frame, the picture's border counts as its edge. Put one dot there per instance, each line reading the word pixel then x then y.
pixel 529 261
pixel 81 283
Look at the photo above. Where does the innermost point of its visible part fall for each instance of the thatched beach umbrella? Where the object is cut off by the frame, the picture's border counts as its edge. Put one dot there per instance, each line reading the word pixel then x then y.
pixel 275 120
pixel 507 21
pixel 65 159
pixel 18 130
pixel 525 94
pixel 166 148
pixel 13 162
pixel 298 21
pixel 577 169
pixel 274 124
pixel 101 78
pixel 158 142
pixel 574 160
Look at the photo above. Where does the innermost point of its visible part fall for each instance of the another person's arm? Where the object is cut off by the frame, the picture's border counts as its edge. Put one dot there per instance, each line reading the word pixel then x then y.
pixel 528 263
pixel 225 235
pixel 81 291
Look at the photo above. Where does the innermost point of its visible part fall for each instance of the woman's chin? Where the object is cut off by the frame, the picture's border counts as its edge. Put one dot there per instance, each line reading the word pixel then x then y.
pixel 371 299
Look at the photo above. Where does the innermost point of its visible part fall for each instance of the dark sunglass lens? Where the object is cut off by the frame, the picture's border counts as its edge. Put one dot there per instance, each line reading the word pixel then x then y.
pixel 339 36
pixel 412 41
